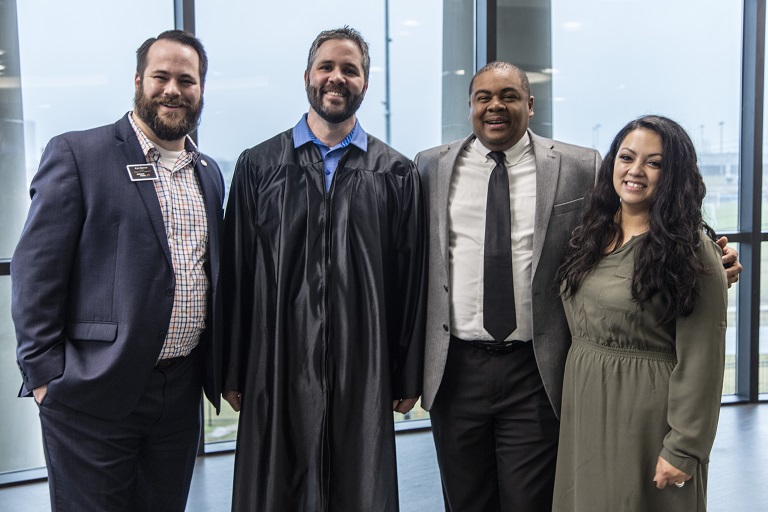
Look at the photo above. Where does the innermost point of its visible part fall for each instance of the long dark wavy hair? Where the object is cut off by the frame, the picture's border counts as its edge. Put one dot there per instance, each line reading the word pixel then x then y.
pixel 666 260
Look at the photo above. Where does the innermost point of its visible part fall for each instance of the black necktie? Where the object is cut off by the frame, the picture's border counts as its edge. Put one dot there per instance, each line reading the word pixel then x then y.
pixel 499 290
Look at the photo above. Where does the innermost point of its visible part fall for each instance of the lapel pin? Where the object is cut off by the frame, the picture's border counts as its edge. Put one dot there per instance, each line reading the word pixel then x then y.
pixel 205 164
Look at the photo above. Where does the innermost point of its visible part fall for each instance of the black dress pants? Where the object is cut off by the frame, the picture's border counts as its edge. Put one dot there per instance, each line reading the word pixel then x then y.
pixel 495 432
pixel 141 463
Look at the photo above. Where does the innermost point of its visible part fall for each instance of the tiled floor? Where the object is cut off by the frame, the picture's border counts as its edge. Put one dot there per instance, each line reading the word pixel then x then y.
pixel 738 478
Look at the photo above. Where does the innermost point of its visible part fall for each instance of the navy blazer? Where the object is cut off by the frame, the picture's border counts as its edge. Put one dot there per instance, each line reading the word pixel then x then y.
pixel 92 278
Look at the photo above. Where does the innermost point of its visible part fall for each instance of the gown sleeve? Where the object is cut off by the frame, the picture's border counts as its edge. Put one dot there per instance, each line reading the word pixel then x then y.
pixel 408 361
pixel 238 272
pixel 696 383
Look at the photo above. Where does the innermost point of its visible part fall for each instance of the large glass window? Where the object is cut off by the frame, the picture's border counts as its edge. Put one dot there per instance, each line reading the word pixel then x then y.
pixel 731 349
pixel 762 364
pixel 255 86
pixel 79 74
pixel 614 60
pixel 762 374
pixel 13 193
pixel 20 446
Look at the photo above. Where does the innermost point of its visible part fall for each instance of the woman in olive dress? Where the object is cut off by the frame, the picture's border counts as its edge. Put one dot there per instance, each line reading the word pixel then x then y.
pixel 645 295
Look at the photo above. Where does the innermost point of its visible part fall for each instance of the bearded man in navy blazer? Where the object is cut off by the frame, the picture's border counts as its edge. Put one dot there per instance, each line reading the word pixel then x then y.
pixel 115 294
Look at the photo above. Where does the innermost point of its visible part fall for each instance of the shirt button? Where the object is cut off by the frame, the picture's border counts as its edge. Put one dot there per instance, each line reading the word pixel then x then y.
pixel 445 327
pixel 327 173
pixel 445 287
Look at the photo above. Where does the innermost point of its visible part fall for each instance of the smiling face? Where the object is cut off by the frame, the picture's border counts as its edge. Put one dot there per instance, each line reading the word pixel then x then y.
pixel 637 169
pixel 335 82
pixel 499 108
pixel 169 97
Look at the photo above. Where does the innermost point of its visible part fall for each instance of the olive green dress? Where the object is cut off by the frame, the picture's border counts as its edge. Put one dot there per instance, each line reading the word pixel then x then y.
pixel 635 390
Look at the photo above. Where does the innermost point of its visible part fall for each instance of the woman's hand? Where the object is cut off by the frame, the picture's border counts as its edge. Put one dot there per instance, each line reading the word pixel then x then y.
pixel 667 474
pixel 730 261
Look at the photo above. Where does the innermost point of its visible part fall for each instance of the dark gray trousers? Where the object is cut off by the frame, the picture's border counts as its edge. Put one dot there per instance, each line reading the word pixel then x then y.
pixel 495 432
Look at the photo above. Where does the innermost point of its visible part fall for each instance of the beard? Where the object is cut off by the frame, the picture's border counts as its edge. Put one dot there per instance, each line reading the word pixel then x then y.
pixel 173 127
pixel 353 102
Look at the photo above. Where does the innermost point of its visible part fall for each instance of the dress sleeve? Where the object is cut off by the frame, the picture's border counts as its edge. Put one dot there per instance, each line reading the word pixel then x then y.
pixel 696 383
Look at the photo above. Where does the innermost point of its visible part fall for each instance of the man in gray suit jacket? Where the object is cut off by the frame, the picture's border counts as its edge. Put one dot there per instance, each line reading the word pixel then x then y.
pixel 494 392
pixel 115 294
pixel 493 401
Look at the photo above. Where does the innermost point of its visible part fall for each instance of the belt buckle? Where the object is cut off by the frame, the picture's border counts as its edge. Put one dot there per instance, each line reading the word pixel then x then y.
pixel 499 348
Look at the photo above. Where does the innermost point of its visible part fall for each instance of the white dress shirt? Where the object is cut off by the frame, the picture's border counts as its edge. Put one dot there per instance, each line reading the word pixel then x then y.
pixel 466 208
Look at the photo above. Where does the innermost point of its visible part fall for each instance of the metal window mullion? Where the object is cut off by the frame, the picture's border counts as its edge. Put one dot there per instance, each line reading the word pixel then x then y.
pixel 485 32
pixel 750 204
pixel 184 15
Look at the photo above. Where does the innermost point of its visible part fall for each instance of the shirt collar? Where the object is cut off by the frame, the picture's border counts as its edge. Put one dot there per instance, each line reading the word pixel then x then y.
pixel 302 134
pixel 513 155
pixel 147 146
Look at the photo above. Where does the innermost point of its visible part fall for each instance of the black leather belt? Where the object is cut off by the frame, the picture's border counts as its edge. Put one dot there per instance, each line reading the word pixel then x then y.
pixel 165 364
pixel 494 347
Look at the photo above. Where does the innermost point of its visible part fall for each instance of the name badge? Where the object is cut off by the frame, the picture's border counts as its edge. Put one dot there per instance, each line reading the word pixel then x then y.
pixel 142 172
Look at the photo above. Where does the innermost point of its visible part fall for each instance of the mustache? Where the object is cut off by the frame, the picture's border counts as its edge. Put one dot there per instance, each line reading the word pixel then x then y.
pixel 171 102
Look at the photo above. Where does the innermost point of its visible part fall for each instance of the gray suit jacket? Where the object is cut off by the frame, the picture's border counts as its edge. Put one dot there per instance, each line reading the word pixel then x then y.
pixel 564 175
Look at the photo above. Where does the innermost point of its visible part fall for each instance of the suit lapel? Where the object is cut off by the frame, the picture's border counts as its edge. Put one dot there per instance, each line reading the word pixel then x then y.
pixel 446 165
pixel 207 176
pixel 547 175
pixel 130 149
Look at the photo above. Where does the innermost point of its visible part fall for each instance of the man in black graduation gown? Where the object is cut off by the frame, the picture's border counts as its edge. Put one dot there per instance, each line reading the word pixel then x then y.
pixel 324 278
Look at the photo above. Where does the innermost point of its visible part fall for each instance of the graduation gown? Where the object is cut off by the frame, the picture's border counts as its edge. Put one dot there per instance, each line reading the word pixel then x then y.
pixel 324 297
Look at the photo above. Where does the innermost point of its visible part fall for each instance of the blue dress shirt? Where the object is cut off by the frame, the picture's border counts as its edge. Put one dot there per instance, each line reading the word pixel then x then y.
pixel 331 156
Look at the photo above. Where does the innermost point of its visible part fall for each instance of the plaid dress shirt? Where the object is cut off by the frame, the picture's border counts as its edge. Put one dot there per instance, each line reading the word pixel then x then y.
pixel 186 227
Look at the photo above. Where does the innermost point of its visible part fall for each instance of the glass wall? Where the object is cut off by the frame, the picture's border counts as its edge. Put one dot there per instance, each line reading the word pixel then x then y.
pixel 255 86
pixel 762 365
pixel 613 61
pixel 20 446
pixel 524 37
pixel 731 347
pixel 13 193
pixel 762 374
